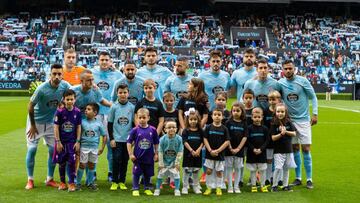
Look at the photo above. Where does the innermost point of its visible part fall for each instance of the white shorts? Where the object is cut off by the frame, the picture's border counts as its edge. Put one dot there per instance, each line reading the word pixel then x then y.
pixel 88 155
pixel 256 166
pixel 214 164
pixel 190 169
pixel 303 133
pixel 169 172
pixel 281 160
pixel 46 130
pixel 269 153
pixel 234 162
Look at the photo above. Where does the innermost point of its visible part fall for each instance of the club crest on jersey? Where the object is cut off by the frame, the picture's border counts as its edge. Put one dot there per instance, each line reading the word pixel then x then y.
pixel 217 89
pixel 103 85
pixel 123 121
pixel 133 100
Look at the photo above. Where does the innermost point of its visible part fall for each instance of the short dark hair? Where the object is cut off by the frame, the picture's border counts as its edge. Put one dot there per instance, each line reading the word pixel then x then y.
pixel 219 110
pixel 150 49
pixel 249 51
pixel 104 53
pixel 248 91
pixel 215 53
pixel 122 86
pixel 94 106
pixel 262 60
pixel 56 66
pixel 287 62
pixel 129 62
pixel 69 92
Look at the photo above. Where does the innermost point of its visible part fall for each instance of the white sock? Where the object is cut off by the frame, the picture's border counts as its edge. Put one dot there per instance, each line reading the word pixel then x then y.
pixel 237 177
pixel 219 182
pixel 186 176
pixel 269 174
pixel 277 174
pixel 253 178
pixel 229 176
pixel 286 176
pixel 262 177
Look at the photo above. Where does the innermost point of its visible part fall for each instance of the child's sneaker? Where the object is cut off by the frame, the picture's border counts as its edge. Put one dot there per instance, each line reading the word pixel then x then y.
pixel 275 189
pixel 110 177
pixel 114 186
pixel 72 187
pixel 93 187
pixel 51 183
pixel 29 184
pixel 207 191
pixel 203 178
pixel 184 191
pixel 230 190
pixel 148 193
pixel 267 183
pixel 237 190
pixel 196 190
pixel 135 193
pixel 264 189
pixel 287 189
pixel 296 182
pixel 62 186
pixel 122 186
pixel 254 189
pixel 218 191
pixel 157 192
pixel 241 184
pixel 78 187
pixel 309 184
pixel 177 193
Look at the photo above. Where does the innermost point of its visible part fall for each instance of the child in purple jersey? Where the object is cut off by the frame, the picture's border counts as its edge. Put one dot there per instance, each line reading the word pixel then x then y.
pixel 145 140
pixel 67 130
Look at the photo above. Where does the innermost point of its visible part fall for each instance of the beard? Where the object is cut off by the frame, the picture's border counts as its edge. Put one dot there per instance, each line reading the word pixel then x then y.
pixel 180 73
pixel 249 63
pixel 289 75
pixel 130 76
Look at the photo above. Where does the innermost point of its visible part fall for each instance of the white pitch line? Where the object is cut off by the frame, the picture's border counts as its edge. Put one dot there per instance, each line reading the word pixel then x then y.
pixel 9 100
pixel 342 109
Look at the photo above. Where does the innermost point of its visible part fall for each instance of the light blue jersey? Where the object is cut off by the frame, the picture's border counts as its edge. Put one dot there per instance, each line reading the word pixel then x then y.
pixel 122 117
pixel 261 90
pixel 214 83
pixel 169 147
pixel 91 130
pixel 46 100
pixel 83 98
pixel 296 94
pixel 178 86
pixel 105 80
pixel 239 78
pixel 136 89
pixel 159 74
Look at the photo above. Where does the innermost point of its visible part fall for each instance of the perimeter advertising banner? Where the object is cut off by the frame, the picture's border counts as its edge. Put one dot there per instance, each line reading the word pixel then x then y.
pixel 14 85
pixel 241 33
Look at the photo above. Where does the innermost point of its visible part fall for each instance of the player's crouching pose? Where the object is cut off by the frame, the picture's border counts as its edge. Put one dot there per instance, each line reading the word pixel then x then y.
pixel 92 129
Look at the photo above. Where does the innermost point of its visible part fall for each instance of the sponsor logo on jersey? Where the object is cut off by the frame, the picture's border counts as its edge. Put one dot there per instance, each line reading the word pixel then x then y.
pixel 217 89
pixel 180 94
pixel 292 97
pixel 90 133
pixel 52 103
pixel 133 100
pixel 262 98
pixel 144 144
pixel 67 126
pixel 170 153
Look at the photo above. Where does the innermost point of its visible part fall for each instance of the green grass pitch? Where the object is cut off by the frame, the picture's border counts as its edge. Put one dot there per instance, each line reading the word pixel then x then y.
pixel 336 164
